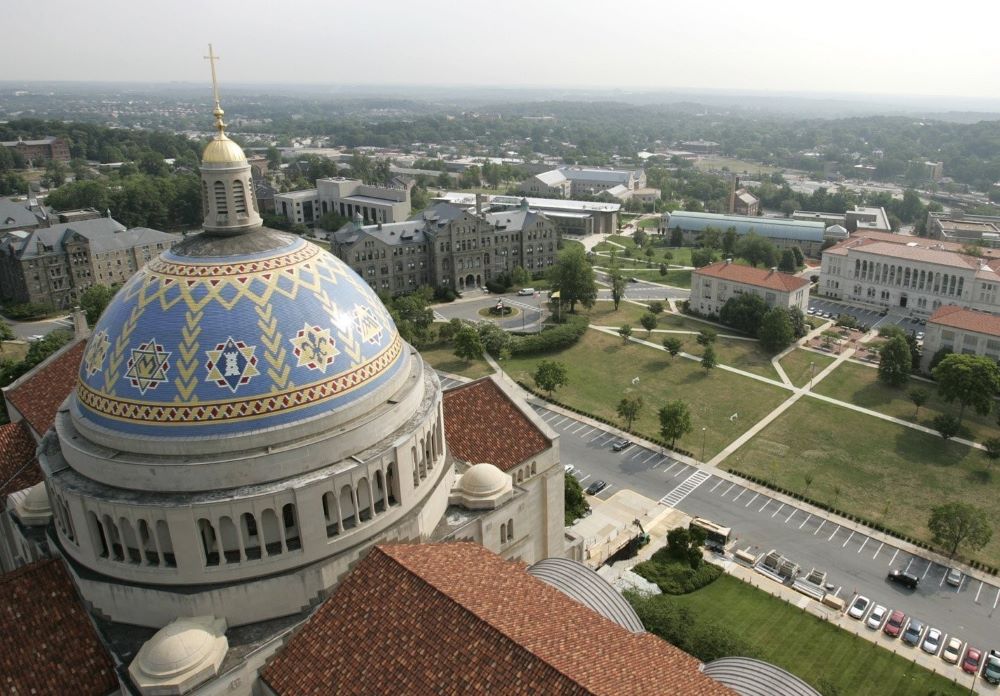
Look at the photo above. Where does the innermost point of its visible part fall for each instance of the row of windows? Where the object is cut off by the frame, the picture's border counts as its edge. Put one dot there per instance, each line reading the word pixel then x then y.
pixel 908 277
pixel 121 540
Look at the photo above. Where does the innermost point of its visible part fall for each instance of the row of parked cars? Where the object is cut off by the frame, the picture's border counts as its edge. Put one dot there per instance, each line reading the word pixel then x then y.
pixel 932 641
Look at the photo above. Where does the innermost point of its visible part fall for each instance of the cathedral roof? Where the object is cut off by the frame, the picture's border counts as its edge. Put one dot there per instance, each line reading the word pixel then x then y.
pixel 38 395
pixel 226 336
pixel 457 618
pixel 18 467
pixel 48 645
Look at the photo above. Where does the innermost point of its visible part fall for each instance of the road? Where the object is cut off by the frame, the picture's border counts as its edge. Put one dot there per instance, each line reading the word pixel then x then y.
pixel 854 561
pixel 26 329
pixel 531 310
pixel 867 317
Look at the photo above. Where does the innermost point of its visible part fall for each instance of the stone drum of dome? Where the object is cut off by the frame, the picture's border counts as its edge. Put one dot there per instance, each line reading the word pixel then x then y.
pixel 209 346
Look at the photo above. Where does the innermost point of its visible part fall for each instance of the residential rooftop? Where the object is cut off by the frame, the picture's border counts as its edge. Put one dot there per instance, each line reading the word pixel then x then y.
pixel 769 279
pixel 966 320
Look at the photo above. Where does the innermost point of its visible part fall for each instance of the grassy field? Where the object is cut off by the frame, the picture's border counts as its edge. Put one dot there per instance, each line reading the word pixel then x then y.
pixel 603 314
pixel 885 472
pixel 796 365
pixel 829 658
pixel 676 278
pixel 716 162
pixel 601 370
pixel 648 223
pixel 442 357
pixel 859 385
pixel 12 350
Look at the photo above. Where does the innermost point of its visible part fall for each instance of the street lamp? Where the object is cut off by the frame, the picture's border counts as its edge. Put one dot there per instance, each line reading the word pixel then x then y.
pixel 704 432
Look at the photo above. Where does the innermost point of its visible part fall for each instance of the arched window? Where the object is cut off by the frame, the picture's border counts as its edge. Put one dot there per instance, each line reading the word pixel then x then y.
pixel 378 494
pixel 253 196
pixel 221 206
pixel 147 544
pixel 239 197
pixel 349 519
pixel 114 540
pixel 166 545
pixel 290 519
pixel 510 530
pixel 204 198
pixel 229 541
pixel 330 515
pixel 503 534
pixel 271 532
pixel 364 497
pixel 534 468
pixel 391 485
pixel 97 534
pixel 251 539
pixel 208 545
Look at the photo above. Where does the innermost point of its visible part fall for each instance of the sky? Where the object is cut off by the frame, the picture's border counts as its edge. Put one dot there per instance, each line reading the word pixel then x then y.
pixel 876 47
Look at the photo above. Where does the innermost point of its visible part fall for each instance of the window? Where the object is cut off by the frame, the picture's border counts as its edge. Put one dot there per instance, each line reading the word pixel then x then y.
pixel 221 207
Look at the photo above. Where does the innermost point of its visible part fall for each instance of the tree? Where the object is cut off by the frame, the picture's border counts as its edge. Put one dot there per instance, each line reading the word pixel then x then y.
pixel 550 375
pixel 6 333
pixel 495 340
pixel 894 362
pixel 706 337
pixel 675 421
pixel 947 425
pixel 274 158
pixel 625 330
pixel 676 237
pixel 959 524
pixel 708 359
pixel 756 249
pixel 331 222
pixel 744 312
pixel 656 307
pixel 673 345
pixel 629 408
pixel 447 331
pixel 93 301
pixel 776 331
pixel 972 380
pixel 617 288
pixel 799 256
pixel 702 257
pixel 919 396
pixel 468 345
pixel 412 315
pixel 572 277
pixel 519 276
pixel 787 262
pixel 575 504
pixel 663 269
pixel 648 321
pixel 729 240
pixel 992 446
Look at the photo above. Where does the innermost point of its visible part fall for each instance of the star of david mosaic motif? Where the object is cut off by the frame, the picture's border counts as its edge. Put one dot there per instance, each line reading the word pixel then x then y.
pixel 367 326
pixel 97 350
pixel 314 348
pixel 148 365
pixel 231 364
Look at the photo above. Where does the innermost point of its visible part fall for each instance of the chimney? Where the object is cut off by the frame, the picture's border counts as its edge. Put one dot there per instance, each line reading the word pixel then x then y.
pixel 80 327
pixel 479 204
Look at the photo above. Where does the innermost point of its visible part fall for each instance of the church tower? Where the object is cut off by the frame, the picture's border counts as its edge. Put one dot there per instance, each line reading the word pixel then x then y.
pixel 226 183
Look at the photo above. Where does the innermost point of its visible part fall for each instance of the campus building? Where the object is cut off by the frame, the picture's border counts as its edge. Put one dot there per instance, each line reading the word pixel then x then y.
pixel 714 284
pixel 914 274
pixel 346 197
pixel 447 246
pixel 54 265
pixel 40 150
pixel 565 182
pixel 960 228
pixel 960 330
pixel 784 233
pixel 570 217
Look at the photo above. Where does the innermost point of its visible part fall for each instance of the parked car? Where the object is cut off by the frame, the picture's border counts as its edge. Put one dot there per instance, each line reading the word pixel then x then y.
pixel 954 577
pixel 526 291
pixel 859 607
pixel 877 616
pixel 991 670
pixel 920 335
pixel 621 445
pixel 569 469
pixel 894 625
pixel 596 487
pixel 972 659
pixel 811 311
pixel 932 641
pixel 914 630
pixel 952 650
pixel 905 579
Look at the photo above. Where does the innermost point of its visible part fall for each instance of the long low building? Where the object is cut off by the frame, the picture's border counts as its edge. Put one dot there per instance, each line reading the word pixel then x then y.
pixel 959 330
pixel 914 274
pixel 785 233
pixel 715 283
pixel 570 217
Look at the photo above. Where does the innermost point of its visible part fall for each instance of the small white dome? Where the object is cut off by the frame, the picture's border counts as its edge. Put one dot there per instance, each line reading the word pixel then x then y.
pixel 182 654
pixel 484 480
pixel 37 500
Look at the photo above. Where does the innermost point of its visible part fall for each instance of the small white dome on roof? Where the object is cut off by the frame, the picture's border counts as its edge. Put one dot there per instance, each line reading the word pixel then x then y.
pixel 37 500
pixel 181 655
pixel 484 480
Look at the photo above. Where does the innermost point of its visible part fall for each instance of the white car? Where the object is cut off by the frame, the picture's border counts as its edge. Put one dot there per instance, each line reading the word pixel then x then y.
pixel 954 577
pixel 858 607
pixel 569 469
pixel 952 650
pixel 932 641
pixel 877 616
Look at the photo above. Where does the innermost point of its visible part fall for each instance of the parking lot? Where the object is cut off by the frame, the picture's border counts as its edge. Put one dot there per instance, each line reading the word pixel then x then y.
pixel 866 317
pixel 854 561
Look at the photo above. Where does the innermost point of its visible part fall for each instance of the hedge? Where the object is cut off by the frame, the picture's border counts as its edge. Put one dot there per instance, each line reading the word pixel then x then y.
pixel 553 338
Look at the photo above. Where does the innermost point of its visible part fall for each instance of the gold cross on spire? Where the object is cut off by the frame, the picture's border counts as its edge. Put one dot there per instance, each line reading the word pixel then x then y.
pixel 217 112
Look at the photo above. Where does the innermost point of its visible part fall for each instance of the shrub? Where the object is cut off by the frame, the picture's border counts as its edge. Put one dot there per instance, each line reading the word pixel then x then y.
pixel 677 577
pixel 553 338
pixel 29 310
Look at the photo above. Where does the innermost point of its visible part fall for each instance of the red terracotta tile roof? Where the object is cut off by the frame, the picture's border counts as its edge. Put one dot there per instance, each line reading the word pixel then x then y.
pixel 967 320
pixel 38 397
pixel 759 277
pixel 457 619
pixel 482 424
pixel 48 645
pixel 18 466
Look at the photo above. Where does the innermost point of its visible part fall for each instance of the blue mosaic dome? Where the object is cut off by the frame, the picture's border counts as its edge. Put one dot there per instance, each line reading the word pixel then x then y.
pixel 226 345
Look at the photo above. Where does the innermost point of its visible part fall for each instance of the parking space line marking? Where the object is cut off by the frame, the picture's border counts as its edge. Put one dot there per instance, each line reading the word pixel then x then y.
pixel 821 523
pixel 962 582
pixel 636 454
pixel 848 539
pixel 794 510
pixel 652 455
pixel 879 550
pixel 608 488
pixel 590 429
pixel 838 591
pixel 740 494
pixel 728 489
pixel 682 470
pixel 755 496
pixel 907 568
pixel 585 478
pixel 805 520
pixel 863 544
pixel 941 584
pixel 667 471
pixel 997 599
pixel 893 557
pixel 769 501
pixel 777 511
pixel 582 426
pixel 830 538
pixel 564 418
pixel 549 415
pixel 716 485
pixel 926 570
pixel 981 583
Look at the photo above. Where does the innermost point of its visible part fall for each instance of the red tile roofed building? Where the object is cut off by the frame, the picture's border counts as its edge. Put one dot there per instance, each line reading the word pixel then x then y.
pixel 482 424
pixel 18 466
pixel 455 618
pixel 48 644
pixel 715 283
pixel 959 330
pixel 36 397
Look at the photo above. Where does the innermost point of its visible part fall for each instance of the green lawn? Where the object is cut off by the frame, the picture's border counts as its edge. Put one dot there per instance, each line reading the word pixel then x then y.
pixel 15 351
pixel 677 278
pixel 859 384
pixel 649 222
pixel 601 370
pixel 716 162
pixel 442 357
pixel 831 659
pixel 875 464
pixel 603 314
pixel 796 365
